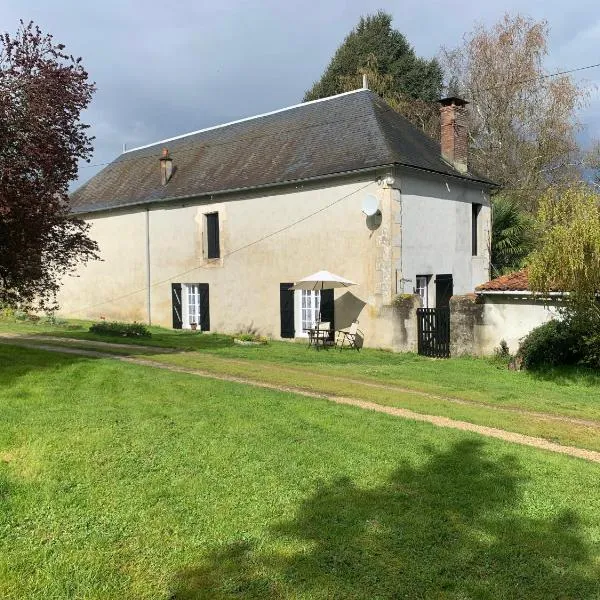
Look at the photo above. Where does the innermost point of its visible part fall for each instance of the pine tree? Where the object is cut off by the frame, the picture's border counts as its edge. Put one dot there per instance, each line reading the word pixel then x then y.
pixel 409 83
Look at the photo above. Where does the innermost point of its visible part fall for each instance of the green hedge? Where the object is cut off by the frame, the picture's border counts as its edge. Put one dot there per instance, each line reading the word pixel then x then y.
pixel 120 329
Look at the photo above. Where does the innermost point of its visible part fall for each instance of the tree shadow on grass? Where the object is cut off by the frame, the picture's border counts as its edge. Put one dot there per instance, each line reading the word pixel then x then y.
pixel 451 529
pixel 567 375
pixel 17 362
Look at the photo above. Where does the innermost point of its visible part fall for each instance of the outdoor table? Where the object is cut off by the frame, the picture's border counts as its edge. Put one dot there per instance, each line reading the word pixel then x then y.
pixel 317 337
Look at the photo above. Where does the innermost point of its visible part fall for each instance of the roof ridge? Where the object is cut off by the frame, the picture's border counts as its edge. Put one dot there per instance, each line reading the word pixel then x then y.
pixel 245 119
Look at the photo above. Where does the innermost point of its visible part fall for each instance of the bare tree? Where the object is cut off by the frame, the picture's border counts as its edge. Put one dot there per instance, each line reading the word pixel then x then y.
pixel 523 121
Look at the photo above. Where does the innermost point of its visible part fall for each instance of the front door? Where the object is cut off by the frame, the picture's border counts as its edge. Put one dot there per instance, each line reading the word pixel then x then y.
pixel 444 288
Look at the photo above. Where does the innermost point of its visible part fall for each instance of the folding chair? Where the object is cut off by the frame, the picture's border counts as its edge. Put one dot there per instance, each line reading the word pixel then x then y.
pixel 351 338
pixel 322 333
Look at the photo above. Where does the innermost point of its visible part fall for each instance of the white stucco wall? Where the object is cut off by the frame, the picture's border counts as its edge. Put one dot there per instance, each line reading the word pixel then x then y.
pixel 511 318
pixel 436 232
pixel 270 238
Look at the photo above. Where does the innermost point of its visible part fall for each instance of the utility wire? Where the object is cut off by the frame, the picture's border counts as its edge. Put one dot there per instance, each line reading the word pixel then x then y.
pixel 188 147
pixel 236 250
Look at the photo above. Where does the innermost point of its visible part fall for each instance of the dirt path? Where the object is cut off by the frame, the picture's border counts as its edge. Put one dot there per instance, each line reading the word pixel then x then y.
pixel 96 344
pixel 438 421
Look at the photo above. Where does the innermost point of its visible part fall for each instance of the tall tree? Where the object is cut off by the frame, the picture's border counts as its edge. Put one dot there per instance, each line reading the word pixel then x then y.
pixel 409 83
pixel 522 123
pixel 568 256
pixel 42 93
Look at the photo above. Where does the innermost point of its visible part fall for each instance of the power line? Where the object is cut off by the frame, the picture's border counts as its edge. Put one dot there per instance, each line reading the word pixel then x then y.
pixel 236 250
pixel 539 77
pixel 189 147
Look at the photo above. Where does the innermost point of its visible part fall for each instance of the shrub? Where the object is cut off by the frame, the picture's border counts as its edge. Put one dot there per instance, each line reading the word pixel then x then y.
pixel 251 337
pixel 52 319
pixel 502 351
pixel 591 350
pixel 120 329
pixel 551 344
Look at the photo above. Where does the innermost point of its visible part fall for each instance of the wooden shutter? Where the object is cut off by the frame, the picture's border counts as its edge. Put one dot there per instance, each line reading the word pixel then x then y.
pixel 204 307
pixel 444 289
pixel 286 310
pixel 176 305
pixel 212 233
pixel 327 307
pixel 328 310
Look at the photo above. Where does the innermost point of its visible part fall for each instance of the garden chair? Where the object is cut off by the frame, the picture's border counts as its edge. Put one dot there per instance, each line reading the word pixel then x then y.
pixel 350 338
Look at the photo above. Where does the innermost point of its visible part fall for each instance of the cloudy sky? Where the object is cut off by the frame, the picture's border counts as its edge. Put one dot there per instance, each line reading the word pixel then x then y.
pixel 166 68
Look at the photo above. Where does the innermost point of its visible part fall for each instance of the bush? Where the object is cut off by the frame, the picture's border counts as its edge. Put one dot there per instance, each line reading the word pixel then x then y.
pixel 502 351
pixel 551 344
pixel 120 329
pixel 52 319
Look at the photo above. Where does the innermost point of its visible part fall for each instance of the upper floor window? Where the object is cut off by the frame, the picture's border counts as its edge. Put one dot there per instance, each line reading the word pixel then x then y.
pixel 213 248
pixel 475 209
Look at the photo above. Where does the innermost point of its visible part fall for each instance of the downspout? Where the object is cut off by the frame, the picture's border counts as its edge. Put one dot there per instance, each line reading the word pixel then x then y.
pixel 148 288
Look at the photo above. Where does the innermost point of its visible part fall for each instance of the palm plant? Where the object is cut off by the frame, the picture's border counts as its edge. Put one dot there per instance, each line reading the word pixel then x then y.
pixel 513 236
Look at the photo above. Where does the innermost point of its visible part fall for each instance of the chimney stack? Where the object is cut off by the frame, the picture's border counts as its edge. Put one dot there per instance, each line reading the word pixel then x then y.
pixel 455 132
pixel 166 167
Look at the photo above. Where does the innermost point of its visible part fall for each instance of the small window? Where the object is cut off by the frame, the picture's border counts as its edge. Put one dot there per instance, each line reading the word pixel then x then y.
pixel 422 289
pixel 213 249
pixel 475 208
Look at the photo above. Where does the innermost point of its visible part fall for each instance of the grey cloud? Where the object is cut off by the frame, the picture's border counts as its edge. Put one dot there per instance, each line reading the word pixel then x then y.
pixel 163 69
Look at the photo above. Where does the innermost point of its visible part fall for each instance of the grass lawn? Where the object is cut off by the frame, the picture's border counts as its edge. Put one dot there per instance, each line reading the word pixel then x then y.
pixel 119 481
pixel 571 392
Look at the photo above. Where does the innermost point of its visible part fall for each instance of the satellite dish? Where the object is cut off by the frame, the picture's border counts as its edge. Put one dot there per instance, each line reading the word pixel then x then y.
pixel 370 205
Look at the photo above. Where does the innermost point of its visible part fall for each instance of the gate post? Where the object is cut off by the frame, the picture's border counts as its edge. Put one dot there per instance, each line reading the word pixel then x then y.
pixel 466 316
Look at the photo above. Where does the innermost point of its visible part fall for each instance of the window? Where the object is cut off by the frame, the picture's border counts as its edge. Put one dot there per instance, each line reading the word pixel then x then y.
pixel 308 305
pixel 422 289
pixel 213 249
pixel 191 304
pixel 475 208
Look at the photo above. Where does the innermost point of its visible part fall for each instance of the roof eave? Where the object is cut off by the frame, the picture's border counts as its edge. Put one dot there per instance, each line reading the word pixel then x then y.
pixel 211 194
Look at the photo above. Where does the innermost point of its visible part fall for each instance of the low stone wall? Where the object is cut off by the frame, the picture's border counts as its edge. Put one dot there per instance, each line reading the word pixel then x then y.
pixel 478 323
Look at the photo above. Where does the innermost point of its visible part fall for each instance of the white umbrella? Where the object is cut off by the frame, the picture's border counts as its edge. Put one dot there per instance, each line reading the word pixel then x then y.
pixel 322 280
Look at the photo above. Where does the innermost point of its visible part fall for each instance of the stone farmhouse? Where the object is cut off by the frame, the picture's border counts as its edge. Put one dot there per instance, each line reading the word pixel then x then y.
pixel 212 228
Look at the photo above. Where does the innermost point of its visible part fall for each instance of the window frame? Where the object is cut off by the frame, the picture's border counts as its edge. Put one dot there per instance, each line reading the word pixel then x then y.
pixel 212 247
pixel 298 310
pixel 475 211
pixel 425 295
pixel 186 288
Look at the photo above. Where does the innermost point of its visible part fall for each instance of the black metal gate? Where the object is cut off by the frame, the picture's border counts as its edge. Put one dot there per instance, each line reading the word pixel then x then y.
pixel 434 332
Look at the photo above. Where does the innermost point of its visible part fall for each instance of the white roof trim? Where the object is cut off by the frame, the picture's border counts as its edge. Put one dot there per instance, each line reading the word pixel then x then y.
pixel 267 114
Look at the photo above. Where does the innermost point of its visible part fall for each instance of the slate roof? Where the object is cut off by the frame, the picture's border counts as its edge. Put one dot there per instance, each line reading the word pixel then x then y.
pixel 348 132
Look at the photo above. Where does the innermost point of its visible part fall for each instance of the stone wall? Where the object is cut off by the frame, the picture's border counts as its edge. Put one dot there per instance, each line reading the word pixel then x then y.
pixel 404 319
pixel 478 323
pixel 466 315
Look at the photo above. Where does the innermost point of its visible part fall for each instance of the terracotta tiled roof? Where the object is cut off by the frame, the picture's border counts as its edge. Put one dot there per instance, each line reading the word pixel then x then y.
pixel 513 282
pixel 349 132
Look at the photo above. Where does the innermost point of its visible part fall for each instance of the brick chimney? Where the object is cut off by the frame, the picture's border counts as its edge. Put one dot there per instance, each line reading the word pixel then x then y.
pixel 166 167
pixel 455 132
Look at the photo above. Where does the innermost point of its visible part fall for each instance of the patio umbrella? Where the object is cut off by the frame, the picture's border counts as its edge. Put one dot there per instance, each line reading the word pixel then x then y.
pixel 322 280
